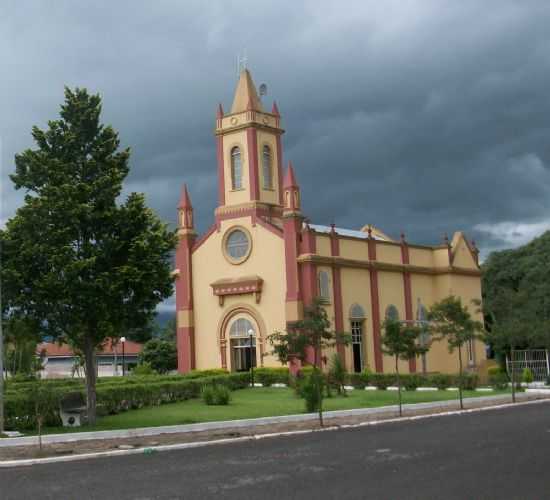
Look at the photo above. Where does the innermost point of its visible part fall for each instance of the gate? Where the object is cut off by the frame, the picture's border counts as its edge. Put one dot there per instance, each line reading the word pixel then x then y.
pixel 536 360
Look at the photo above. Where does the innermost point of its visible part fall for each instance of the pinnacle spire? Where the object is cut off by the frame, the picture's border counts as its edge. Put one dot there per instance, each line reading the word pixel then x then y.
pixel 219 114
pixel 290 178
pixel 246 96
pixel 275 109
pixel 185 200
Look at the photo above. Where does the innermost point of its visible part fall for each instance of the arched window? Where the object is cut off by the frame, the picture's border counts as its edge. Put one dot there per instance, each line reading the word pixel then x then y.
pixel 241 328
pixel 266 168
pixel 236 169
pixel 324 289
pixel 357 320
pixel 392 313
pixel 356 312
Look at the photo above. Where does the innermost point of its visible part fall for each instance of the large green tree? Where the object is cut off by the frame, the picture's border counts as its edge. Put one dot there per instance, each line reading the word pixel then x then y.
pixel 76 259
pixel 516 296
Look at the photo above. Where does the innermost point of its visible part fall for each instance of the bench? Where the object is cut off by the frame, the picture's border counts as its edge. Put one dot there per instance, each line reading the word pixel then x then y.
pixel 72 409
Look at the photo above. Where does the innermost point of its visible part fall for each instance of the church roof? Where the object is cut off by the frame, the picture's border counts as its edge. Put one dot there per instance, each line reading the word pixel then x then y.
pixel 246 96
pixel 377 235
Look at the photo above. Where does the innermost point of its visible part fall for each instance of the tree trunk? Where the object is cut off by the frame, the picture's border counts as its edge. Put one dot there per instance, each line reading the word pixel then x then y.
pixel 318 382
pixel 460 376
pixel 513 377
pixel 398 386
pixel 89 357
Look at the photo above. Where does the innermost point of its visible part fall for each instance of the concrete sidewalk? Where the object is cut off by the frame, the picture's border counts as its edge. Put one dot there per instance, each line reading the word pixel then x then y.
pixel 255 422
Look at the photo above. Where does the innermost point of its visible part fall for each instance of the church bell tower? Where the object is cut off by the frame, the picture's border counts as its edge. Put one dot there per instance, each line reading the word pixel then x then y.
pixel 249 154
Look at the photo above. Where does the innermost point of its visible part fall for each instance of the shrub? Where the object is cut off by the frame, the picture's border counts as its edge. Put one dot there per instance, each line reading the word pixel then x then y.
pixel 527 376
pixel 468 382
pixel 440 380
pixel 337 373
pixel 143 369
pixel 498 378
pixel 411 381
pixel 308 388
pixel 357 380
pixel 270 376
pixel 382 380
pixel 213 394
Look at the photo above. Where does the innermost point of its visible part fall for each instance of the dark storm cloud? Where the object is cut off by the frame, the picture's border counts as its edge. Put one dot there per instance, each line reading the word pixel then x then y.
pixel 420 116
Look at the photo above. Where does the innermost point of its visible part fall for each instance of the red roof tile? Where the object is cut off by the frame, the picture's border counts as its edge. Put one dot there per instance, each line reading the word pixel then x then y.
pixel 53 350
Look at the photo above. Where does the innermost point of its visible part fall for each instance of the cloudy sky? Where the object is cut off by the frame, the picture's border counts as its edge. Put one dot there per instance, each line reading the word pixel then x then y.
pixel 423 116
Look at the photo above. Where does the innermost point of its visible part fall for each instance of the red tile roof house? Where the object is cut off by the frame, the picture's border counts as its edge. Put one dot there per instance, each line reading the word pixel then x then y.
pixel 59 360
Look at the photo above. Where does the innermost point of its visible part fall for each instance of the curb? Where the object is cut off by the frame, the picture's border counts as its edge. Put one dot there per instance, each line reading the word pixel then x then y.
pixel 231 424
pixel 257 437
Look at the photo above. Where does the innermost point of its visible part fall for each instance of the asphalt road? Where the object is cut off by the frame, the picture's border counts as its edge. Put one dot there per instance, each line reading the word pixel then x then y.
pixel 500 454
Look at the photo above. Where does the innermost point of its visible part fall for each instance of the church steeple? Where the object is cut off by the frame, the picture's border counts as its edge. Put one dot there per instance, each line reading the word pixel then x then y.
pixel 291 193
pixel 246 98
pixel 185 212
pixel 249 152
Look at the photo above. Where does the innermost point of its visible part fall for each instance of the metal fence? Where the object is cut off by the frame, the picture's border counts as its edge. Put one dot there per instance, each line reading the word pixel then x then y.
pixel 537 360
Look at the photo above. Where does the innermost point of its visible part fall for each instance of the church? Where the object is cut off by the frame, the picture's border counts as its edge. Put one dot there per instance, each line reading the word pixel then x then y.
pixel 253 271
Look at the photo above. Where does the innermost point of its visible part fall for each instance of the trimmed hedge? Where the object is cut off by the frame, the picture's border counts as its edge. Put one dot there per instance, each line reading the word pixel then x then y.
pixel 117 397
pixel 270 376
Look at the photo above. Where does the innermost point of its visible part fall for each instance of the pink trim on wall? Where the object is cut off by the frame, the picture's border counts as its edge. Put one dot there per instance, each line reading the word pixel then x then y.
pixel 186 349
pixel 408 293
pixel 291 232
pixel 221 171
pixel 308 279
pixel 184 302
pixel 280 168
pixel 253 173
pixel 337 291
pixel 375 302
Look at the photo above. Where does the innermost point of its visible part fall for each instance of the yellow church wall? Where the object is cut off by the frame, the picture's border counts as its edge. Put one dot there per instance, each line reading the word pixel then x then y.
pixel 270 196
pixel 441 257
pixel 322 245
pixel 463 256
pixel 422 257
pixel 391 291
pixel 210 265
pixel 353 249
pixel 356 290
pixel 230 140
pixel 389 253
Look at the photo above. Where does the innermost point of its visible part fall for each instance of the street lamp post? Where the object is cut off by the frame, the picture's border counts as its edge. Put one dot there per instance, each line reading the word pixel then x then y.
pixel 251 338
pixel 123 341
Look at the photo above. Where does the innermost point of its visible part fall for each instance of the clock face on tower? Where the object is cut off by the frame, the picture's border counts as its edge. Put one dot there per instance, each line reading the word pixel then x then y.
pixel 237 245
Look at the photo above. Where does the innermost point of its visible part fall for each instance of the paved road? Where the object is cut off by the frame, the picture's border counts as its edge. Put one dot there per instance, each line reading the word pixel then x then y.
pixel 500 454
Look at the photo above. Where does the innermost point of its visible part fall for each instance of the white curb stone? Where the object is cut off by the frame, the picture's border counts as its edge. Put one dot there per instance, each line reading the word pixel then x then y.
pixel 349 387
pixel 370 388
pixel 392 388
pixel 426 389
pixel 484 389
pixel 278 384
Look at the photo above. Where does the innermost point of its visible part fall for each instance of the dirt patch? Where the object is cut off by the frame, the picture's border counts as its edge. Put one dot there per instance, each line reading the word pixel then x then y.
pixel 98 445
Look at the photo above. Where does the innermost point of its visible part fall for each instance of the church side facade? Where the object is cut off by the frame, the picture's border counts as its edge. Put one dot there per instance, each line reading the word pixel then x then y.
pixel 260 262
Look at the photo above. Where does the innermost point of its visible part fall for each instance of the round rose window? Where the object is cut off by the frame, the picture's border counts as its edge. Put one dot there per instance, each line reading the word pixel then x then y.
pixel 237 245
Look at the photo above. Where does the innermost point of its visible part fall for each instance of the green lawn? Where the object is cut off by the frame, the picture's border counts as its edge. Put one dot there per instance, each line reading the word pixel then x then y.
pixel 258 402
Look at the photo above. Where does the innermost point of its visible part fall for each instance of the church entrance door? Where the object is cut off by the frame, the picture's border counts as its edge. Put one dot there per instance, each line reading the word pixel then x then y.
pixel 242 335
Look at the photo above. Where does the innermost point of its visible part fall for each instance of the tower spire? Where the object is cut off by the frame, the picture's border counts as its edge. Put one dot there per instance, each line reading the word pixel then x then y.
pixel 292 192
pixel 185 210
pixel 246 96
